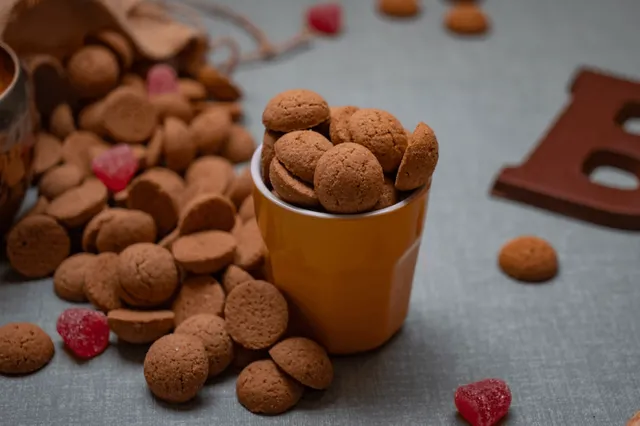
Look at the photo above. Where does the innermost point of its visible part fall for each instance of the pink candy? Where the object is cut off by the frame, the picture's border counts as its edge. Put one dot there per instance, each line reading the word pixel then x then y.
pixel 483 403
pixel 115 167
pixel 325 18
pixel 161 79
pixel 84 331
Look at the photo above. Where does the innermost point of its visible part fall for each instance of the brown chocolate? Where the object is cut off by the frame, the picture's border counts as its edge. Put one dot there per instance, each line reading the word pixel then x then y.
pixel 263 388
pixel 176 367
pixel 210 329
pixel 24 348
pixel 37 245
pixel 257 314
pixel 198 295
pixel 148 275
pixel 205 252
pixel 304 360
pixel 68 280
pixel 101 282
pixel 140 326
pixel 584 137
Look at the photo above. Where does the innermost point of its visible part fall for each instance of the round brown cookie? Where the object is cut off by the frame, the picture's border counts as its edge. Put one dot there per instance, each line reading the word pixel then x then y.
pixel 24 348
pixel 59 180
pixel 247 209
pixel 158 194
pixel 90 118
pixel 210 130
pixel 466 18
pixel 218 85
pixel 304 360
pixel 233 276
pixel 135 82
pixel 388 196
pixel 240 145
pixel 178 149
pixel 128 116
pixel 36 245
pixel 39 207
pixel 192 89
pixel 68 280
pixel 419 160
pixel 300 151
pixel 205 252
pixel 382 134
pixel 90 232
pixel 348 179
pixel 243 356
pixel 235 231
pixel 297 109
pixel 256 314
pixel 211 330
pixel 240 188
pixel 169 239
pixel 93 71
pixel 101 282
pixel 198 295
pixel 207 212
pixel 263 388
pixel 176 367
pixel 399 8
pixel 216 171
pixel 339 126
pixel 148 275
pixel 124 228
pixel 77 149
pixel 233 108
pixel 172 105
pixel 268 153
pixel 528 258
pixel 117 43
pixel 140 326
pixel 61 122
pixel 154 148
pixel 78 205
pixel 289 188
pixel 251 250
pixel 47 152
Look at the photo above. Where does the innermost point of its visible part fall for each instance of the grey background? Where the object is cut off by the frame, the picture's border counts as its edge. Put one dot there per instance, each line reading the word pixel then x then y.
pixel 569 349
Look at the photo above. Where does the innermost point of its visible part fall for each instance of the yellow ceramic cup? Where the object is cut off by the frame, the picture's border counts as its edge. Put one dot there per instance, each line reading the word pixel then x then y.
pixel 348 277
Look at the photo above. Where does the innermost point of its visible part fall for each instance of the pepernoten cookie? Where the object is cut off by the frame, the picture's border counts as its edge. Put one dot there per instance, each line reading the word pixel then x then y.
pixel 268 152
pixel 178 149
pixel 528 258
pixel 68 280
pixel 205 252
pixel 239 146
pixel 123 228
pixel 24 348
pixel 128 116
pixel 148 275
pixel 297 109
pixel 240 187
pixel 339 123
pixel 251 250
pixel 300 151
pixel 289 188
pixel 263 388
pixel 59 179
pixel 382 134
pixel 140 326
pixel 93 71
pixel 198 295
pixel 217 172
pixel 217 343
pixel 233 277
pixel 207 212
pixel 210 130
pixel 419 160
pixel 388 196
pixel 348 179
pixel 304 360
pixel 78 205
pixel 176 367
pixel 47 152
pixel 101 282
pixel 257 314
pixel 36 245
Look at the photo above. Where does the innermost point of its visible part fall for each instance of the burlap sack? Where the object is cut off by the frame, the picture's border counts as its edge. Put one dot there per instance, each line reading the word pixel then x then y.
pixel 58 27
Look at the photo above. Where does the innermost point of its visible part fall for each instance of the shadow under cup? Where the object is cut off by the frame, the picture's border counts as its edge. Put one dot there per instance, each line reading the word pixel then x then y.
pixel 348 277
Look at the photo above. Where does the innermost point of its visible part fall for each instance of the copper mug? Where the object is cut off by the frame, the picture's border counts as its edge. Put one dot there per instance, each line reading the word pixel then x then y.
pixel 349 277
pixel 16 135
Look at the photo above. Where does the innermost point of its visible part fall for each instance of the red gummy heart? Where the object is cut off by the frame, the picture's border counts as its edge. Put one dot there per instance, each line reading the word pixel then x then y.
pixel 115 167
pixel 483 403
pixel 325 18
pixel 161 79
pixel 84 331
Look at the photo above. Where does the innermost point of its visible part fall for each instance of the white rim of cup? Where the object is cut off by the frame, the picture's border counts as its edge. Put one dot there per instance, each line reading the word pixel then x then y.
pixel 16 72
pixel 256 174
